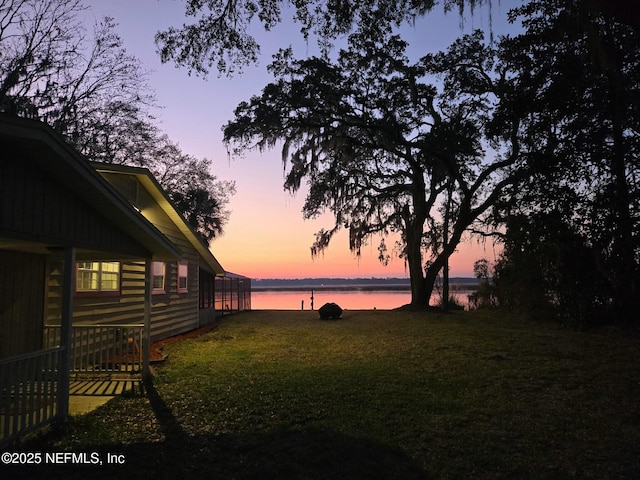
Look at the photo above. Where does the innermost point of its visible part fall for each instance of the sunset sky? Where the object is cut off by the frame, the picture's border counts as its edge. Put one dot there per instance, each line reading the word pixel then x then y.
pixel 266 236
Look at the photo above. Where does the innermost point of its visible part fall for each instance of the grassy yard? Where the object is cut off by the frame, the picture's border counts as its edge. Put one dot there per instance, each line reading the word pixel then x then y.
pixel 378 394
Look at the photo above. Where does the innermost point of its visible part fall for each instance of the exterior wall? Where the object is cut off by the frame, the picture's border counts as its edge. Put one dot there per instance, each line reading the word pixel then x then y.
pixel 50 199
pixel 21 302
pixel 171 312
pixel 128 307
pixel 33 206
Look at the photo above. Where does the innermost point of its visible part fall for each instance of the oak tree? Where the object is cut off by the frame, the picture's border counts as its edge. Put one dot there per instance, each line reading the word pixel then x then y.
pixel 222 36
pixel 384 147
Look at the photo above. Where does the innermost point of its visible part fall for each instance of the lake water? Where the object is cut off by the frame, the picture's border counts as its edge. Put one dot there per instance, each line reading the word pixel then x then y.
pixel 347 299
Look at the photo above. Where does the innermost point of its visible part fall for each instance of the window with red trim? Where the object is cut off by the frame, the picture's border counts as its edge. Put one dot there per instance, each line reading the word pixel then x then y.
pixel 183 276
pixel 158 277
pixel 98 277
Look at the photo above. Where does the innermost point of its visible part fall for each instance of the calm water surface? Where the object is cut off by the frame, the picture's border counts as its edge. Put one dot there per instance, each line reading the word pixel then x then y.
pixel 347 299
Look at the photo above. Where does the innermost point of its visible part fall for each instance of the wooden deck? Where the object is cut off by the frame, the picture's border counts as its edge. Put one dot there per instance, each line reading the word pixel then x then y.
pixel 84 397
pixel 103 387
pixel 87 395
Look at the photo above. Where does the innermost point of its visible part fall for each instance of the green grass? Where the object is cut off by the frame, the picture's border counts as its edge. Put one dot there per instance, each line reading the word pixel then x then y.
pixel 377 394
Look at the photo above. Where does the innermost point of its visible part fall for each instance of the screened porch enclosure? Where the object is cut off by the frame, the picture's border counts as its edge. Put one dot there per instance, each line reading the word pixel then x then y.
pixel 226 294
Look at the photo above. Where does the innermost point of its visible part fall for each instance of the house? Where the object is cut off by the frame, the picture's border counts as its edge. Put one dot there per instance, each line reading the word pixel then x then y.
pixel 176 306
pixel 55 210
pixel 96 264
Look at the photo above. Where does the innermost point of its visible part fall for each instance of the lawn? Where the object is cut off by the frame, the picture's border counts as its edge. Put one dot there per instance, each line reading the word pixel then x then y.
pixel 377 394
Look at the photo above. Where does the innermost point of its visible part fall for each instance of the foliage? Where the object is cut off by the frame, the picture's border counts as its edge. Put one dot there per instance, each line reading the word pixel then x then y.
pixel 548 266
pixel 393 394
pixel 88 89
pixel 220 33
pixel 481 269
pixel 577 76
pixel 558 103
pixel 484 296
pixel 383 149
pixel 199 195
pixel 452 304
pixel 96 95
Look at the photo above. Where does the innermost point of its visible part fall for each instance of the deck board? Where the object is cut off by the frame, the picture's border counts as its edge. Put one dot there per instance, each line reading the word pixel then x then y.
pixel 87 395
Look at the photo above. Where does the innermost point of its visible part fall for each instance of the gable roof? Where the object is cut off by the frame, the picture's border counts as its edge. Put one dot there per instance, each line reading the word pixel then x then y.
pixel 60 161
pixel 159 195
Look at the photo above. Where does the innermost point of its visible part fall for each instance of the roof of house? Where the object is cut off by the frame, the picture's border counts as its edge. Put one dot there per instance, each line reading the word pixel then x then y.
pixel 60 161
pixel 148 181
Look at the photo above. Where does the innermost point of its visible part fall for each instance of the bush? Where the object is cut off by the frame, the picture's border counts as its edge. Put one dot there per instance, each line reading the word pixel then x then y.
pixel 547 266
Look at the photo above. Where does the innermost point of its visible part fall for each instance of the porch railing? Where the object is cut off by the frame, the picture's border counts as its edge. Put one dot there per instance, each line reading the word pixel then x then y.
pixel 102 350
pixel 28 392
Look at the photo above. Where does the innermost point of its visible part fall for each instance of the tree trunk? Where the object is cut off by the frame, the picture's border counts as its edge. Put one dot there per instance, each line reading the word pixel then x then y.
pixel 445 243
pixel 419 295
pixel 420 292
pixel 442 260
pixel 445 285
pixel 431 275
pixel 624 281
pixel 414 229
pixel 623 250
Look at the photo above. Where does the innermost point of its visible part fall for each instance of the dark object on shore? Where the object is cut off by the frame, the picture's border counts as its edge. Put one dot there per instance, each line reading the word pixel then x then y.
pixel 330 310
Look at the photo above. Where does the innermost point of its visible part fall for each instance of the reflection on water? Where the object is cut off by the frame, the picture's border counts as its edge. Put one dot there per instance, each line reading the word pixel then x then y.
pixel 347 299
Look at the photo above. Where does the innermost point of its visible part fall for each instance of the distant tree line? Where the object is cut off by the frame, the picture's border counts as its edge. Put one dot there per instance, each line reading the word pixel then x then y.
pixel 87 88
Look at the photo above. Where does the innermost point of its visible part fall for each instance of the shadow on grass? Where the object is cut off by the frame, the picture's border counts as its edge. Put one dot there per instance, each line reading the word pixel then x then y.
pixel 286 454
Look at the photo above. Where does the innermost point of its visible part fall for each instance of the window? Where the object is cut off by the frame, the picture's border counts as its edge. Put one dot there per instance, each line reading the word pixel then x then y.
pixel 98 277
pixel 183 275
pixel 158 272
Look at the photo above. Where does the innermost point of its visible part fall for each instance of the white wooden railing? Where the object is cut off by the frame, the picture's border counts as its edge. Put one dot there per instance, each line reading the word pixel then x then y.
pixel 28 392
pixel 29 383
pixel 102 350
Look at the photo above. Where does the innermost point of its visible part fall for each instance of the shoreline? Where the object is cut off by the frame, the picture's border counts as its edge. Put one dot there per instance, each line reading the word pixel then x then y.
pixel 454 287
